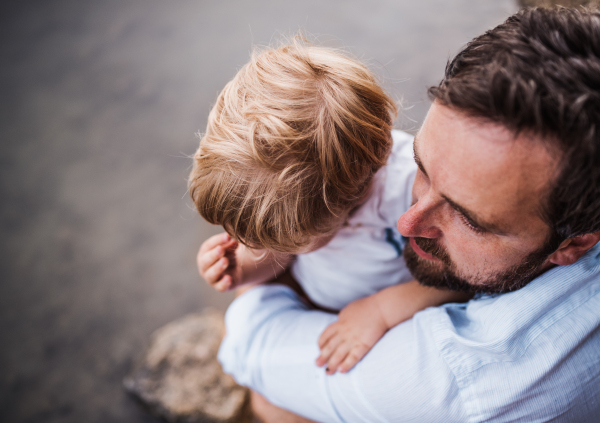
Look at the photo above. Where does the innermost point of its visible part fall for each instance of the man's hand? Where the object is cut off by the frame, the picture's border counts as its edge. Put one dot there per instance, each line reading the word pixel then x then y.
pixel 344 343
pixel 217 262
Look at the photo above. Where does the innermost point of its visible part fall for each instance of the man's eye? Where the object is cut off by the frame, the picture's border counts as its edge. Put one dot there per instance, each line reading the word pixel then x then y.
pixel 469 224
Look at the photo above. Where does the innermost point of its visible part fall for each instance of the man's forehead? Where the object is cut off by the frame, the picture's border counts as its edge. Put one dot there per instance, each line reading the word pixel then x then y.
pixel 483 167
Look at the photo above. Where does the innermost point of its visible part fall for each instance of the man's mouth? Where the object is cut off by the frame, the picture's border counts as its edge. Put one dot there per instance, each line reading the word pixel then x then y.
pixel 420 252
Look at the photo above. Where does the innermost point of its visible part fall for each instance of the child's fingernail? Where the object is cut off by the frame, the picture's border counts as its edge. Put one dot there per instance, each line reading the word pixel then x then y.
pixel 225 236
pixel 223 262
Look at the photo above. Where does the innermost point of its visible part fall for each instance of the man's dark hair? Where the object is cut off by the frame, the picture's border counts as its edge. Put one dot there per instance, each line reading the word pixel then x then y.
pixel 539 73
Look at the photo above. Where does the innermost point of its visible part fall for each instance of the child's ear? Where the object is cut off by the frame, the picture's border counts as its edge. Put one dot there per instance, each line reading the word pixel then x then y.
pixel 572 249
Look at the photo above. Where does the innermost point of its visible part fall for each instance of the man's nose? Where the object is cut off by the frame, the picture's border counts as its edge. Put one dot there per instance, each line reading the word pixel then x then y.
pixel 419 220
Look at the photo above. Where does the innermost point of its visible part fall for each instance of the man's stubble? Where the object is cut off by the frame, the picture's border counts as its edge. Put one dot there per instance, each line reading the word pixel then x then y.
pixel 443 274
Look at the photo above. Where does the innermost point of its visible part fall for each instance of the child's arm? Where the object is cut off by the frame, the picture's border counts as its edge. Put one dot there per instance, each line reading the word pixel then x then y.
pixel 363 322
pixel 225 264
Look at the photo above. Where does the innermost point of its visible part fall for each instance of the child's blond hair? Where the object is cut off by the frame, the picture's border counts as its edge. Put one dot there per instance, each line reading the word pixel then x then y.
pixel 291 146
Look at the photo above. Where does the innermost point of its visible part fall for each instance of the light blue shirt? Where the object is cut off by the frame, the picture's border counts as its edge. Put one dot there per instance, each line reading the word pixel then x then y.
pixel 529 356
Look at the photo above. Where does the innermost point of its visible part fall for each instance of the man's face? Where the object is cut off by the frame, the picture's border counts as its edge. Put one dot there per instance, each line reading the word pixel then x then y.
pixel 475 222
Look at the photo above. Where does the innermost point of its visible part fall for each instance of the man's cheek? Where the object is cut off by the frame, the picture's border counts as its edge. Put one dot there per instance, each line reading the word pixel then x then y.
pixel 466 255
pixel 477 259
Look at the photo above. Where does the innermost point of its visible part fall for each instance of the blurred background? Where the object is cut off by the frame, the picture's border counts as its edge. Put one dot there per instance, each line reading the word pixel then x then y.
pixel 99 105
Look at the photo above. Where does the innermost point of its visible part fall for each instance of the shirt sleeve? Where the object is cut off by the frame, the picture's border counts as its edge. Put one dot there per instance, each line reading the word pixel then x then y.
pixel 271 347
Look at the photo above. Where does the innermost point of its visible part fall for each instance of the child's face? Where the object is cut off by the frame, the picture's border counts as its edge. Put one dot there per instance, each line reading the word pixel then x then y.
pixel 318 242
pixel 323 240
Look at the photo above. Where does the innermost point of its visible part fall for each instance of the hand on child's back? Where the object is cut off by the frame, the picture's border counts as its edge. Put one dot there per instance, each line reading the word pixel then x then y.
pixel 217 262
pixel 344 343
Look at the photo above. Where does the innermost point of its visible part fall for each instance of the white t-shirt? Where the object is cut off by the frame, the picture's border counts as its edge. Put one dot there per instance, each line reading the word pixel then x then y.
pixel 365 255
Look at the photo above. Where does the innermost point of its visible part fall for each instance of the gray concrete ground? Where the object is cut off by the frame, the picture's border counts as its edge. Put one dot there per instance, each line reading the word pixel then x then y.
pixel 99 103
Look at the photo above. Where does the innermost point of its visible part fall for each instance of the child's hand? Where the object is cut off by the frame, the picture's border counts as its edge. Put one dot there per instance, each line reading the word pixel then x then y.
pixel 217 262
pixel 344 343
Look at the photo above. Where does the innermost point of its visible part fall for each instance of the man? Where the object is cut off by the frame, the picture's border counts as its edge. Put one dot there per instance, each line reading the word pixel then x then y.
pixel 506 204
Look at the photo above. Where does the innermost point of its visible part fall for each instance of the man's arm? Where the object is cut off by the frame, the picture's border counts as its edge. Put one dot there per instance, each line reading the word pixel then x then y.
pixel 271 346
pixel 363 322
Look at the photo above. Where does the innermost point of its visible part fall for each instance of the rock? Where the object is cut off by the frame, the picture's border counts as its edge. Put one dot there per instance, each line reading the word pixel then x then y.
pixel 178 377
pixel 551 3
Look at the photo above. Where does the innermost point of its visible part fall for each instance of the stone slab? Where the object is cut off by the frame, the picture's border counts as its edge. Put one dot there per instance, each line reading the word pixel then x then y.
pixel 179 378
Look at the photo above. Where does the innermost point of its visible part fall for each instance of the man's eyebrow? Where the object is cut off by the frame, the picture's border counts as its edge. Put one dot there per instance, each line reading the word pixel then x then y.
pixel 488 226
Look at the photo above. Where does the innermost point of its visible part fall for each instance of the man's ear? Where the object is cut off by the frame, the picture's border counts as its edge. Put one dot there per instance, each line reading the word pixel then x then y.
pixel 572 249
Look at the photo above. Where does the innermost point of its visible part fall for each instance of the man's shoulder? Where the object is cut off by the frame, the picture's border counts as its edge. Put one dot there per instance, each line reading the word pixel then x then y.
pixel 531 347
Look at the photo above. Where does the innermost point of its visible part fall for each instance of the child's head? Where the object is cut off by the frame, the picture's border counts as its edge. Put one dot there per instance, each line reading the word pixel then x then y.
pixel 291 147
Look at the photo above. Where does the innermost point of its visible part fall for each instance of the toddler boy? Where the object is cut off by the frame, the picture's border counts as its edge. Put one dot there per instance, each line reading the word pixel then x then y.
pixel 298 164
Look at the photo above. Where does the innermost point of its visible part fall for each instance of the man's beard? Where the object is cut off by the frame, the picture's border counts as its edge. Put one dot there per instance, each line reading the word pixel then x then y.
pixel 443 274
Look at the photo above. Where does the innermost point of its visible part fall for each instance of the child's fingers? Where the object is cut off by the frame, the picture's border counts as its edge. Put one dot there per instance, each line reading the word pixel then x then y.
pixel 213 241
pixel 354 356
pixel 209 258
pixel 329 331
pixel 213 274
pixel 338 357
pixel 328 349
pixel 224 283
pixel 231 245
pixel 321 361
